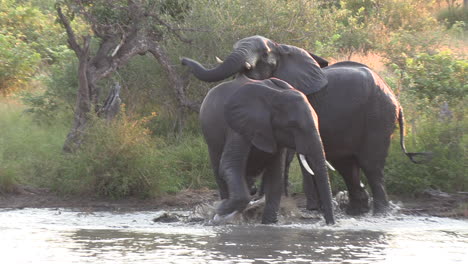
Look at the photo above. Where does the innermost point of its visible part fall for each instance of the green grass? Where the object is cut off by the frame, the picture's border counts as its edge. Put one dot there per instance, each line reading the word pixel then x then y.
pixel 27 150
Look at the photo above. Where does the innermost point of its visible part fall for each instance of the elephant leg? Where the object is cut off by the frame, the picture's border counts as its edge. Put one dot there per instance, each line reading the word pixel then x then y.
pixel 372 162
pixel 273 180
pixel 375 178
pixel 358 196
pixel 289 158
pixel 310 190
pixel 215 156
pixel 233 169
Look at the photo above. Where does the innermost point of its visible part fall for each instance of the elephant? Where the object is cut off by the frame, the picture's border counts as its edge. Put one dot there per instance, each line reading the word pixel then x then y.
pixel 356 109
pixel 247 125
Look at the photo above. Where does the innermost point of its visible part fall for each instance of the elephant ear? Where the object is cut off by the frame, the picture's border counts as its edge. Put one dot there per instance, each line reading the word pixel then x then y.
pixel 297 67
pixel 248 113
pixel 321 61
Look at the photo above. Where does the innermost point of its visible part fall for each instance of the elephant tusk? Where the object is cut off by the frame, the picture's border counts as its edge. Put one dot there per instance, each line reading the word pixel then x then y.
pixel 329 165
pixel 305 164
pixel 248 65
pixel 218 60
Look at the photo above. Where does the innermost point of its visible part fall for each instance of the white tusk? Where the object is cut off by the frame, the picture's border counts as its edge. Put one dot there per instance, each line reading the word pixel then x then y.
pixel 305 164
pixel 218 60
pixel 329 165
pixel 248 66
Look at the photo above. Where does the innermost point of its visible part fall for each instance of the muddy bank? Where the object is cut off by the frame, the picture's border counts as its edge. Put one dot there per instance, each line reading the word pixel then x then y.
pixel 430 202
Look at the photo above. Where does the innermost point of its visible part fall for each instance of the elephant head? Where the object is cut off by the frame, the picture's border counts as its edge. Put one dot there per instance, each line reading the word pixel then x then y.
pixel 260 58
pixel 273 115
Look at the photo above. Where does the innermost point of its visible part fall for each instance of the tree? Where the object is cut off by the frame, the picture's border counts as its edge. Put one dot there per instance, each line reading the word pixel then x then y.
pixel 122 30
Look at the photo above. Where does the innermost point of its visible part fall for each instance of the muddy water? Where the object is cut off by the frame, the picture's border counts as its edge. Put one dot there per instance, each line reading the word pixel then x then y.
pixel 64 236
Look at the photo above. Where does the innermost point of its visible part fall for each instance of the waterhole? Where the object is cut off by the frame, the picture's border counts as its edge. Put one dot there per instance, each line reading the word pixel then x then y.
pixel 66 236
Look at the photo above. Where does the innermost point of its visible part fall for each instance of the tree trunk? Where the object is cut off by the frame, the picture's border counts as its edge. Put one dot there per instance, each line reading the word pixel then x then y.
pixel 111 106
pixel 83 102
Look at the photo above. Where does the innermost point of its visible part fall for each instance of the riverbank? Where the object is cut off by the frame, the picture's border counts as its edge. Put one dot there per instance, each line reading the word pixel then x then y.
pixel 430 202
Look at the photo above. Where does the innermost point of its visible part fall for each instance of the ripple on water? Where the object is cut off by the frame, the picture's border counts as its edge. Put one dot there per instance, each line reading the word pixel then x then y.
pixel 65 236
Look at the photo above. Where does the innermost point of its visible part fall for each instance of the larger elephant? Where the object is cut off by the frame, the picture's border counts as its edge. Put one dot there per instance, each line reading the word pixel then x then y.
pixel 248 125
pixel 357 110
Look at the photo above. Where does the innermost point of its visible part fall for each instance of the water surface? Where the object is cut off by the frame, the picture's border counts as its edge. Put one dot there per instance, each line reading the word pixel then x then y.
pixel 65 236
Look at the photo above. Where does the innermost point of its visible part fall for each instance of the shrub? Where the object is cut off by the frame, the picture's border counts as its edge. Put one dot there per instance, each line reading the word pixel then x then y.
pixel 28 152
pixel 116 160
pixel 438 78
pixel 121 159
pixel 185 164
pixel 452 15
pixel 448 142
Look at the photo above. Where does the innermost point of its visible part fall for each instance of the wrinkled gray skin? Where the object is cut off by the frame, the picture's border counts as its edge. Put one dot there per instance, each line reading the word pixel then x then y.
pixel 357 111
pixel 248 125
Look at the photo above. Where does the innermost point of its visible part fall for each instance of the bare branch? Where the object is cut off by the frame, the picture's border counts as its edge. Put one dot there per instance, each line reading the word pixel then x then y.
pixel 171 29
pixel 174 78
pixel 71 35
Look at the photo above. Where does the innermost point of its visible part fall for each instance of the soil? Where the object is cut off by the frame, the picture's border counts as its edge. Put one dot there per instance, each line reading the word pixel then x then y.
pixel 431 202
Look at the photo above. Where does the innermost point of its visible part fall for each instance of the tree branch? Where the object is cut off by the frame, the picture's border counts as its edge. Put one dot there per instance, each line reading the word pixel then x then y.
pixel 71 35
pixel 174 78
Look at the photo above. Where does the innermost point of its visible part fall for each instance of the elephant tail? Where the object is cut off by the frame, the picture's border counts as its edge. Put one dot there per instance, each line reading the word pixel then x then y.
pixel 424 156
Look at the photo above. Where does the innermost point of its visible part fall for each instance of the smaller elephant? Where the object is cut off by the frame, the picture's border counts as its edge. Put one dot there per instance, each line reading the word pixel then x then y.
pixel 247 125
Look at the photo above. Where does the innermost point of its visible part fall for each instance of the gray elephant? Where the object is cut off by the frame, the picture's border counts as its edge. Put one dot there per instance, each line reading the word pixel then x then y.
pixel 248 125
pixel 357 110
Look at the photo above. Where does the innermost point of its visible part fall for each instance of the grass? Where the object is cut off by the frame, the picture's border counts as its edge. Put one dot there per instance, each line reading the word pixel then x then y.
pixel 27 150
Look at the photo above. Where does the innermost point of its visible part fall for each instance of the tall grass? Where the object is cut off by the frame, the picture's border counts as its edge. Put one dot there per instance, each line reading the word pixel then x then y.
pixel 27 150
pixel 118 159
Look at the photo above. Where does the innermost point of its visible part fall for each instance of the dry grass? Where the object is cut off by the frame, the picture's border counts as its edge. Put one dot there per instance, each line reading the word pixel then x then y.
pixel 373 60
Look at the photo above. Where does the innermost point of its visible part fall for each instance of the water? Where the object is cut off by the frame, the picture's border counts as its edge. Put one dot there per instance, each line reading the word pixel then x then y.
pixel 65 236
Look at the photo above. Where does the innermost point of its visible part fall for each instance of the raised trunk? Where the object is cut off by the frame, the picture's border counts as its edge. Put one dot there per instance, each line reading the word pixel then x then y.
pixel 233 64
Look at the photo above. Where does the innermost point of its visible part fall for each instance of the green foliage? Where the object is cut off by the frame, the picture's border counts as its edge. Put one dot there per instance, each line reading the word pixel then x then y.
pixel 453 15
pixel 185 164
pixel 121 159
pixel 28 36
pixel 140 156
pixel 18 62
pixel 116 160
pixel 448 142
pixel 55 104
pixel 438 78
pixel 28 152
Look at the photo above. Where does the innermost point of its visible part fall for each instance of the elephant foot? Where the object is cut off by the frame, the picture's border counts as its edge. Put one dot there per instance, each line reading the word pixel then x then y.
pixel 229 206
pixel 381 208
pixel 359 207
pixel 356 210
pixel 358 203
pixel 272 219
pixel 222 219
pixel 312 205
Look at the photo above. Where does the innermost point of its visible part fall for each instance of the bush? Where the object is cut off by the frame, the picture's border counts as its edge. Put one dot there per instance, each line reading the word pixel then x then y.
pixel 28 152
pixel 121 159
pixel 117 159
pixel 18 62
pixel 448 142
pixel 452 15
pixel 438 78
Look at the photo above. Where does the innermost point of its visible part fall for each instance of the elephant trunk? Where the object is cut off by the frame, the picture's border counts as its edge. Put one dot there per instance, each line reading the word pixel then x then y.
pixel 233 64
pixel 323 186
pixel 313 154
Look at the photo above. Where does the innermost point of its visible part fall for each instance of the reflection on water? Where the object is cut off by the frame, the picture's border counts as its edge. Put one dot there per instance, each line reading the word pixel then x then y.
pixel 53 236
pixel 267 244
